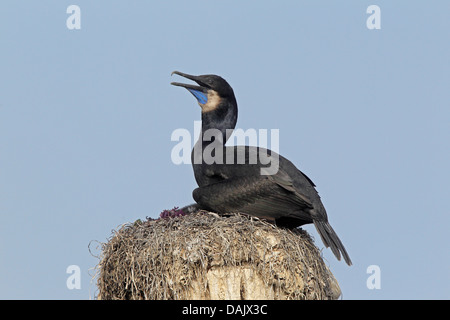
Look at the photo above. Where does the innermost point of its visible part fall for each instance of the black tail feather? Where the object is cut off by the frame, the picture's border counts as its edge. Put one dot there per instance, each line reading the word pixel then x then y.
pixel 331 240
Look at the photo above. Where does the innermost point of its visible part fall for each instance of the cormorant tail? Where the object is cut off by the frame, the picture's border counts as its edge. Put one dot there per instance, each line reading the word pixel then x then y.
pixel 331 240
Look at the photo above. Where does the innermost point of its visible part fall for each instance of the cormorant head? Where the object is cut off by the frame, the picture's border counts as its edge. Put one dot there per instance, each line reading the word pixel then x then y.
pixel 211 93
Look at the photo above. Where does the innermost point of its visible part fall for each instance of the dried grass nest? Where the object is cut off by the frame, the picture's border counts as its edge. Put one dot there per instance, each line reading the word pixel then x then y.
pixel 207 256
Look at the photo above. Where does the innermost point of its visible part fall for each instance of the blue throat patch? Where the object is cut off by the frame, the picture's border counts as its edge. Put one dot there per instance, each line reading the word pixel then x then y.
pixel 201 97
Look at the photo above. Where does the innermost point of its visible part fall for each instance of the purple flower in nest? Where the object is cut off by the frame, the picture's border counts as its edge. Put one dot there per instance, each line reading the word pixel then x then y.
pixel 175 212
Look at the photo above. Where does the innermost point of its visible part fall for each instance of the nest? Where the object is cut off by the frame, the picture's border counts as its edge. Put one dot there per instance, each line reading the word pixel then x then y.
pixel 207 256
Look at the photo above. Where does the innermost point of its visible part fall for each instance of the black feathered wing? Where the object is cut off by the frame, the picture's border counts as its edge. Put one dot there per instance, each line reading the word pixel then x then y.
pixel 268 197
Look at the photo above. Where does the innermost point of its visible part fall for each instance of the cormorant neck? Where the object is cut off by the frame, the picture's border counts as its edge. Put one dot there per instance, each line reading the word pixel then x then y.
pixel 217 127
pixel 222 119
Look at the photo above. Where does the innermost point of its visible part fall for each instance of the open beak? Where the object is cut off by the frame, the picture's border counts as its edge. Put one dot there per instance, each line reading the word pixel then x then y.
pixel 200 92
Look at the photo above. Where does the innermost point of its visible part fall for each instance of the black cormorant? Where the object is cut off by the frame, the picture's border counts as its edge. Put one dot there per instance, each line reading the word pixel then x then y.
pixel 228 180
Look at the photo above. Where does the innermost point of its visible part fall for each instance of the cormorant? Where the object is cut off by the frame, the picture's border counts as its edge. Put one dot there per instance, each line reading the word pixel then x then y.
pixel 286 197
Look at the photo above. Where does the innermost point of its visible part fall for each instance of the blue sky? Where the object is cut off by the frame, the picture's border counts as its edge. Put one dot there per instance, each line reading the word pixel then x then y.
pixel 86 118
